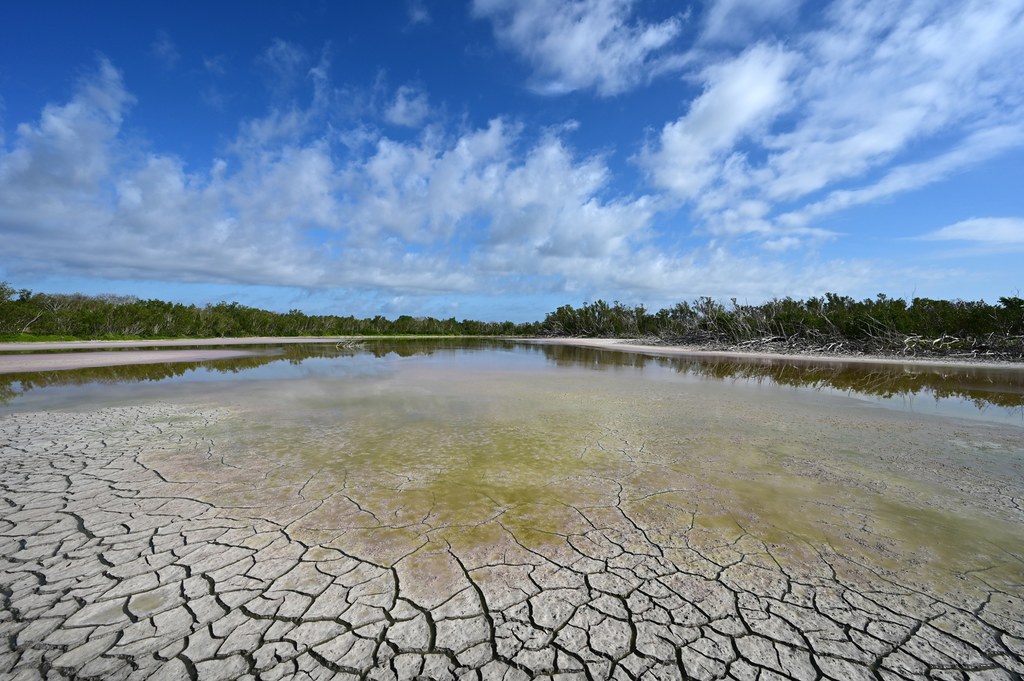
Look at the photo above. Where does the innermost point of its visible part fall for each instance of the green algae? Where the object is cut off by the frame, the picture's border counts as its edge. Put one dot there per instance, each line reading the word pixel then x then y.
pixel 430 457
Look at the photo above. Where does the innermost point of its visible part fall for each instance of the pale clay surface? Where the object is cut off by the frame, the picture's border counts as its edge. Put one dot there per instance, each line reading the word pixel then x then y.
pixel 11 364
pixel 626 537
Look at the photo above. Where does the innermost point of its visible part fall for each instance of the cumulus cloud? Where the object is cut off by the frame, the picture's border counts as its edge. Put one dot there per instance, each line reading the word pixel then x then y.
pixel 537 215
pixel 68 149
pixel 76 197
pixel 582 44
pixel 442 213
pixel 409 108
pixel 871 104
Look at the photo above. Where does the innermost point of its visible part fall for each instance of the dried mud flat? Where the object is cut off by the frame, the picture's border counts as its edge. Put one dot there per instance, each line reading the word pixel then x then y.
pixel 145 543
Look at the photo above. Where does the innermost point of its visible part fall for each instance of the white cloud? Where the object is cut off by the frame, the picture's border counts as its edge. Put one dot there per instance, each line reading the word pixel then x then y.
pixel 306 196
pixel 723 272
pixel 521 216
pixel 409 108
pixel 880 80
pixel 994 231
pixel 739 97
pixel 582 44
pixel 877 101
pixel 75 197
pixel 975 148
pixel 465 213
pixel 67 150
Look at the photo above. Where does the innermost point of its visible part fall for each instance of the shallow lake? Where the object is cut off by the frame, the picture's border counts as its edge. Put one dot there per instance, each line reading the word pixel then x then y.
pixel 525 493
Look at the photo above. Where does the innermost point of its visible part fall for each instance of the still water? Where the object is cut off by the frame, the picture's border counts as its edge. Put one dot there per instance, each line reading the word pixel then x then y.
pixel 980 392
pixel 916 470
pixel 403 510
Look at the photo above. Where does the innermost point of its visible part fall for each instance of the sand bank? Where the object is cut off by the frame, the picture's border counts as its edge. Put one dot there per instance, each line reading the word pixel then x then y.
pixel 59 361
pixel 48 360
pixel 76 360
pixel 168 343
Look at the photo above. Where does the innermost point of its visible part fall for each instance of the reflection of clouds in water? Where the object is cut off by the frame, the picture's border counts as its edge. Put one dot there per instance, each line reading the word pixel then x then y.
pixel 982 386
pixel 547 452
pixel 982 391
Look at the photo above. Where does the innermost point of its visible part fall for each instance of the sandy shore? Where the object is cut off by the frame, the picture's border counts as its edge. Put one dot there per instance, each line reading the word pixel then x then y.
pixel 59 361
pixel 50 361
pixel 169 343
pixel 53 361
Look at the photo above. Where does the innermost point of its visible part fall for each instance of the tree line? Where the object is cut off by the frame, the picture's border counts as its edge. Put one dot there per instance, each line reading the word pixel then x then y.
pixel 831 323
pixel 24 314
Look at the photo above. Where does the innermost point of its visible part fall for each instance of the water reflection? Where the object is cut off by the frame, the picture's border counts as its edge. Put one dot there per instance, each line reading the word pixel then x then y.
pixel 432 346
pixel 982 386
pixel 14 385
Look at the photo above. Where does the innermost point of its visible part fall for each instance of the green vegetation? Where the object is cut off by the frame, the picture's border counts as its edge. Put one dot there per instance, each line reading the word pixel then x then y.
pixel 833 323
pixel 25 315
pixel 837 324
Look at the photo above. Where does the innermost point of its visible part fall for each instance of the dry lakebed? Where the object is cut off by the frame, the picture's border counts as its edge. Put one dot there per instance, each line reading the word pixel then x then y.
pixel 501 510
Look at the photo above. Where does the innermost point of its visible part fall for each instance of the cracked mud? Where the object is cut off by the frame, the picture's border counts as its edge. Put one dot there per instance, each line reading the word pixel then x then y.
pixel 504 525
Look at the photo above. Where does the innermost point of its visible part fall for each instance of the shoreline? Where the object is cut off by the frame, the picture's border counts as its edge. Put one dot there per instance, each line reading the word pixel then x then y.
pixel 697 352
pixel 177 342
pixel 17 357
pixel 64 361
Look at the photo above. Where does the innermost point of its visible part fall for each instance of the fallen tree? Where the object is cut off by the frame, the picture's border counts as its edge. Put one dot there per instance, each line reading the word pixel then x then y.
pixel 832 324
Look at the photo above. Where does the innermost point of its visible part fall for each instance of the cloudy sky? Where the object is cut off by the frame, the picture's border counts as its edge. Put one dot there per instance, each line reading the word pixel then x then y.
pixel 495 159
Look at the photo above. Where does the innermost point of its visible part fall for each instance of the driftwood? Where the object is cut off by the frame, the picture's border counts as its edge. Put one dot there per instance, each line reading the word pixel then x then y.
pixel 992 347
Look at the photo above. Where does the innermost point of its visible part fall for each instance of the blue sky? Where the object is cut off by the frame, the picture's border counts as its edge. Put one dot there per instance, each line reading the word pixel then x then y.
pixel 496 159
